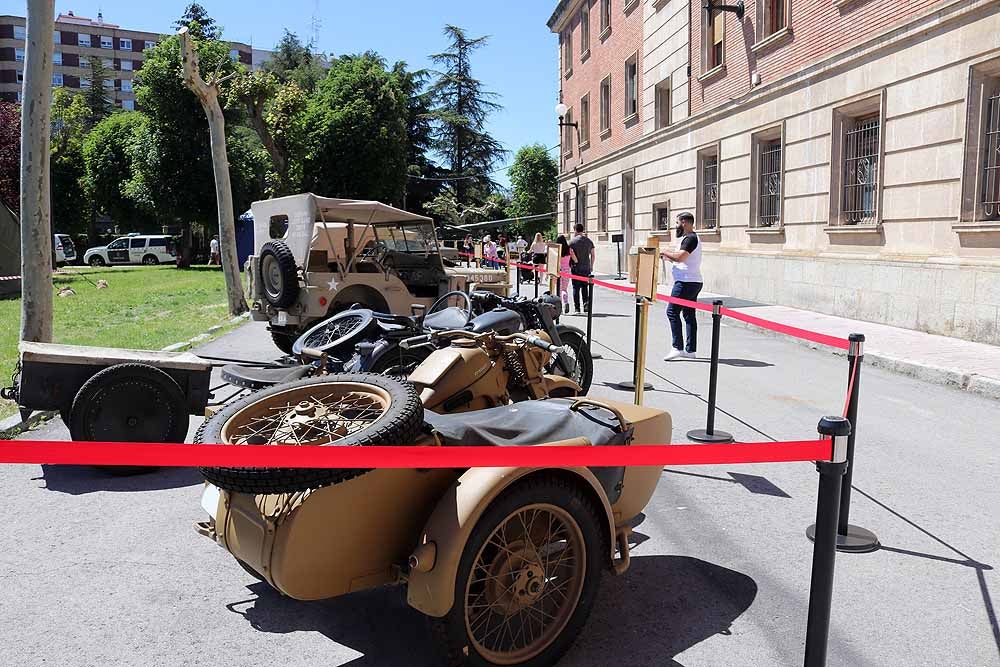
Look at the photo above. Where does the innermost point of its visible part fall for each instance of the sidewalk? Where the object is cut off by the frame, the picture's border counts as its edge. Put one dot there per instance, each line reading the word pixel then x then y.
pixel 963 364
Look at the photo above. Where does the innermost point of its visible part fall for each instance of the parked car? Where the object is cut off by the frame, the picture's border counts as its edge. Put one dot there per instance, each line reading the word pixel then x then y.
pixel 137 249
pixel 64 249
pixel 315 256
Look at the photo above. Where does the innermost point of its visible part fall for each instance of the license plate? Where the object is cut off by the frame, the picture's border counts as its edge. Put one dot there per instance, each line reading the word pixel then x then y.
pixel 210 499
pixel 282 318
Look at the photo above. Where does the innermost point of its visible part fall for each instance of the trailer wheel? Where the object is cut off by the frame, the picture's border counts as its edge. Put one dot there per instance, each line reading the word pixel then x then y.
pixel 129 403
pixel 527 578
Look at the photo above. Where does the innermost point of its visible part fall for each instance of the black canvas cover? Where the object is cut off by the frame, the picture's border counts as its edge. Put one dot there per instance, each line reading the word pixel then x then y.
pixel 528 423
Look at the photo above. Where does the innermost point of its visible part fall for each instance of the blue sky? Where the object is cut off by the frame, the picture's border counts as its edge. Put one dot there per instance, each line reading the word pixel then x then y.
pixel 520 62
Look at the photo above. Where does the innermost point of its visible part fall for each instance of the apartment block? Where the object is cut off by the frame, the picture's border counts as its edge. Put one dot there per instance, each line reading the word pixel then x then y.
pixel 77 39
pixel 839 155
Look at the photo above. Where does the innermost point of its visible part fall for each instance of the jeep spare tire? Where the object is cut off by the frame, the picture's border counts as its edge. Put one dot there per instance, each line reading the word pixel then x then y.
pixel 278 274
pixel 350 409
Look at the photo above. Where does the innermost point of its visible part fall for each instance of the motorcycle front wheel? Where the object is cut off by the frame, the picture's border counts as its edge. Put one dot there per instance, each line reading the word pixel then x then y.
pixel 577 364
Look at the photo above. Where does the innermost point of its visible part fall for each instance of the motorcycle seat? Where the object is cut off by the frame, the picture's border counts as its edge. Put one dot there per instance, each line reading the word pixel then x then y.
pixel 528 423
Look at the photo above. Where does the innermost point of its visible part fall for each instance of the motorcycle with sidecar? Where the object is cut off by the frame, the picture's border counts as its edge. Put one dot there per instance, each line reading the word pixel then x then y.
pixel 505 562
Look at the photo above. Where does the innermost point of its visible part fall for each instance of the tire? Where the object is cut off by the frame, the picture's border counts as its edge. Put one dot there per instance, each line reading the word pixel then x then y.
pixel 399 363
pixel 335 333
pixel 96 260
pixel 129 403
pixel 150 260
pixel 467 643
pixel 283 340
pixel 279 275
pixel 399 423
pixel 583 373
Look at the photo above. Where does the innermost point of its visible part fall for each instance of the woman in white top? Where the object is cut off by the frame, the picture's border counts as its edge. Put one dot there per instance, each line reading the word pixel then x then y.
pixel 490 252
pixel 539 252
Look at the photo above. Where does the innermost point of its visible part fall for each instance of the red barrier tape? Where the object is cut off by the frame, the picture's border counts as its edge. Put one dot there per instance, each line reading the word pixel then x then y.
pixel 795 332
pixel 286 456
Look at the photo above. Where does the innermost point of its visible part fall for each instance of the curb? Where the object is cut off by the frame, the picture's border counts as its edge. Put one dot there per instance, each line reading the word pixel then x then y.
pixel 14 425
pixel 982 385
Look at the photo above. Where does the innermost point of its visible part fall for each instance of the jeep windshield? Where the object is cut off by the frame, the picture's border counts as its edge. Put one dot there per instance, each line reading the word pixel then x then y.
pixel 409 238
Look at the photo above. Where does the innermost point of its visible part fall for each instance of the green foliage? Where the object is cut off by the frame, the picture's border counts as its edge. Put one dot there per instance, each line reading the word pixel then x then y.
pixel 448 209
pixel 356 124
pixel 461 108
pixel 109 159
pixel 71 118
pixel 10 155
pixel 98 103
pixel 175 161
pixel 534 188
pixel 294 62
pixel 422 184
pixel 198 22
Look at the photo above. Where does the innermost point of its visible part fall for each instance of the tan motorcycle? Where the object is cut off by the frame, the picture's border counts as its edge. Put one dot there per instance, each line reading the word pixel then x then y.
pixel 505 561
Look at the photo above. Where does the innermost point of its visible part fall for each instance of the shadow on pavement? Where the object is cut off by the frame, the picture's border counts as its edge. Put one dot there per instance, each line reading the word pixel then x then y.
pixel 752 483
pixel 77 480
pixel 738 363
pixel 671 602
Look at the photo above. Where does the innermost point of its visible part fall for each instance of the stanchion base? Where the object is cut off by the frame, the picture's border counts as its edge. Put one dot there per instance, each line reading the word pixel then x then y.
pixel 716 437
pixel 857 541
pixel 630 385
pixel 595 355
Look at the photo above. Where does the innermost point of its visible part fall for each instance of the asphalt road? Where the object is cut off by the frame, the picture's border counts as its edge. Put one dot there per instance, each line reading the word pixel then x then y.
pixel 103 570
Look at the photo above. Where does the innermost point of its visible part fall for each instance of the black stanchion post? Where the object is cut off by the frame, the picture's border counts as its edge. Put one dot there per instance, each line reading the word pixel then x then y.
pixel 831 476
pixel 535 274
pixel 590 316
pixel 517 277
pixel 852 539
pixel 709 434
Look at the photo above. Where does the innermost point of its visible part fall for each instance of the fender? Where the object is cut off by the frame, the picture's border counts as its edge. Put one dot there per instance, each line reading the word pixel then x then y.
pixel 456 515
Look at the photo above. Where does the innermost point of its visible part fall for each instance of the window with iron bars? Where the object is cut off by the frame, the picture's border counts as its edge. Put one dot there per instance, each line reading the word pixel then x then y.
pixel 709 218
pixel 859 189
pixel 581 206
pixel 769 184
pixel 602 206
pixel 991 159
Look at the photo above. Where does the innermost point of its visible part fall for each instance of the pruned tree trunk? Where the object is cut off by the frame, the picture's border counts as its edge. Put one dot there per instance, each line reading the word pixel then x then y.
pixel 36 221
pixel 208 95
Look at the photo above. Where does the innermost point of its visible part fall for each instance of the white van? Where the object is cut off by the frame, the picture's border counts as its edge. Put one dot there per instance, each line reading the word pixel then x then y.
pixel 64 249
pixel 137 249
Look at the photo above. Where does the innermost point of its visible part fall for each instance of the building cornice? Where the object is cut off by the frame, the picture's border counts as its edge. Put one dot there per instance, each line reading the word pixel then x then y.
pixel 563 11
pixel 840 60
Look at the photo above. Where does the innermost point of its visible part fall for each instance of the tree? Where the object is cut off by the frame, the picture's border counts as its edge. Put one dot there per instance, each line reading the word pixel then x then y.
pixel 294 62
pixel 461 108
pixel 36 223
pixel 10 155
pixel 109 160
pixel 534 184
pixel 70 121
pixel 98 103
pixel 208 94
pixel 447 209
pixel 356 129
pixel 423 176
pixel 276 112
pixel 196 19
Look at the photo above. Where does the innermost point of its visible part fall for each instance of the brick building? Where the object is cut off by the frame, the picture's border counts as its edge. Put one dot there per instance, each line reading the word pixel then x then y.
pixel 77 39
pixel 839 155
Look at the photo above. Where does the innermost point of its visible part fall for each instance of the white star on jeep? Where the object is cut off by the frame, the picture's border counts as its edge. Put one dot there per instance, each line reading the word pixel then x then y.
pixel 332 284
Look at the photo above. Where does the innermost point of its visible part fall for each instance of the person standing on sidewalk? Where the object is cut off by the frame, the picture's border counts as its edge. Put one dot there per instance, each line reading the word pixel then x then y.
pixel 566 261
pixel 686 269
pixel 584 255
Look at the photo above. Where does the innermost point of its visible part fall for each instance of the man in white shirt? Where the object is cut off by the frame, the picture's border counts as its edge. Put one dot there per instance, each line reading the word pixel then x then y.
pixel 686 269
pixel 520 244
pixel 213 248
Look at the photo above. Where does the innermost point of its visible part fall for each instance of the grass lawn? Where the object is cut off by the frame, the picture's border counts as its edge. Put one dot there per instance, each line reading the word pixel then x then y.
pixel 144 307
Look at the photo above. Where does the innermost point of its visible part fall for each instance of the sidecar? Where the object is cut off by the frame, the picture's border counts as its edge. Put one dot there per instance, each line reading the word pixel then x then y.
pixel 505 561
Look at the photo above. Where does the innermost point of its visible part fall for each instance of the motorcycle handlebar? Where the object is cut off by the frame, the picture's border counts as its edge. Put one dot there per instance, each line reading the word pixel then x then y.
pixel 407 343
pixel 544 344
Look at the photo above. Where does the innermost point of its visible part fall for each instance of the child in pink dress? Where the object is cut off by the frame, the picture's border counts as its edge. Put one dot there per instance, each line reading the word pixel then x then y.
pixel 566 258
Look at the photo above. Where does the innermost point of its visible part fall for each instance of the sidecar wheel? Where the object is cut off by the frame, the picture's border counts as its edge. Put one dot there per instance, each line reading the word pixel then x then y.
pixel 328 410
pixel 527 579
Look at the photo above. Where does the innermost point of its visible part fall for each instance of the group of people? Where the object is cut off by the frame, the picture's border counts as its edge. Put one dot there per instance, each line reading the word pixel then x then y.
pixel 577 256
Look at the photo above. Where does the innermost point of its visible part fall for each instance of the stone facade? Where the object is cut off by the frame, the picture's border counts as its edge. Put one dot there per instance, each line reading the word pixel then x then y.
pixel 922 77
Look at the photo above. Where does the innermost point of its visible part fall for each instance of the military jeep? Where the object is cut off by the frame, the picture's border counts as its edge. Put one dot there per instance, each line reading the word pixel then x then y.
pixel 315 256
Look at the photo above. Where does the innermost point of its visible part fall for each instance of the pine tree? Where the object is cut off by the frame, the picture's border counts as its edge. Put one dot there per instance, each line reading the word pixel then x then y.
pixel 98 103
pixel 198 22
pixel 461 108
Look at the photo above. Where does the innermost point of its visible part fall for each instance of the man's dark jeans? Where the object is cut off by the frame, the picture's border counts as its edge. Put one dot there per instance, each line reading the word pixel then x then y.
pixel 690 292
pixel 581 287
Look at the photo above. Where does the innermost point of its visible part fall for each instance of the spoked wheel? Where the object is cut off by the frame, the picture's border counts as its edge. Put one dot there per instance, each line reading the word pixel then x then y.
pixel 528 577
pixel 348 409
pixel 577 364
pixel 337 332
pixel 399 363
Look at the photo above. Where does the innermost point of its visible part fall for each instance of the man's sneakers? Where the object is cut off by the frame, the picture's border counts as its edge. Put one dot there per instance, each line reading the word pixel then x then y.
pixel 678 354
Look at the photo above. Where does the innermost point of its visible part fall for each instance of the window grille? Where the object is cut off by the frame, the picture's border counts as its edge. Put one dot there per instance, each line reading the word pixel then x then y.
pixel 769 185
pixel 861 172
pixel 991 161
pixel 581 206
pixel 602 206
pixel 710 192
